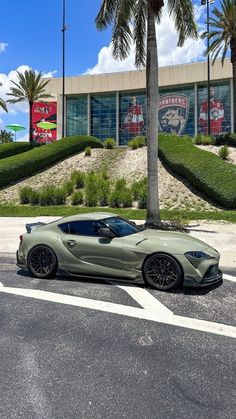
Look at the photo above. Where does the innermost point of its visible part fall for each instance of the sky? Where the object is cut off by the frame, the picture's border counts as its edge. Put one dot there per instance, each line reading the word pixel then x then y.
pixel 31 37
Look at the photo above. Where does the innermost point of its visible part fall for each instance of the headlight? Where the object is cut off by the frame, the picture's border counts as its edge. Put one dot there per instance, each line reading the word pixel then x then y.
pixel 197 255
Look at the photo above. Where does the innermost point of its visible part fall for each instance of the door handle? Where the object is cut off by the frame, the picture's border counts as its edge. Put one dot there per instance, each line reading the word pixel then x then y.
pixel 71 243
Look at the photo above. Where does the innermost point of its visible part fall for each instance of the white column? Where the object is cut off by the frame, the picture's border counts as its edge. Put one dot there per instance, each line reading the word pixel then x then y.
pixel 88 114
pixel 117 118
pixel 195 110
pixel 232 105
pixel 59 116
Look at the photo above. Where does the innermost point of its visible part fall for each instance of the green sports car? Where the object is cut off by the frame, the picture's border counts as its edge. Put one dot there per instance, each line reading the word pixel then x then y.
pixel 109 246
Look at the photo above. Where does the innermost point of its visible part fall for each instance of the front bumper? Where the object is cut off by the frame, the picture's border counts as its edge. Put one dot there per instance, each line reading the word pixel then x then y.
pixel 207 280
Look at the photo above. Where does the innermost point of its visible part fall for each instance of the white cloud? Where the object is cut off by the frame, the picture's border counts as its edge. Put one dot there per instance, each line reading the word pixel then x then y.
pixel 168 52
pixel 50 74
pixel 22 139
pixel 5 79
pixel 3 46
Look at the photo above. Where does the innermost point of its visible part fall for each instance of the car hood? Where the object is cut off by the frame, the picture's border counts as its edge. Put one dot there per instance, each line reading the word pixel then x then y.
pixel 166 241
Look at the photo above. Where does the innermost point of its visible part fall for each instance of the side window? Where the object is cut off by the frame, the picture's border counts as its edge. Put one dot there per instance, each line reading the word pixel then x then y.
pixel 82 228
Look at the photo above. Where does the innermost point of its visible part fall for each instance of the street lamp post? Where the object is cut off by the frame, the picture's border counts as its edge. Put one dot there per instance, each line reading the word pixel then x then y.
pixel 203 3
pixel 64 29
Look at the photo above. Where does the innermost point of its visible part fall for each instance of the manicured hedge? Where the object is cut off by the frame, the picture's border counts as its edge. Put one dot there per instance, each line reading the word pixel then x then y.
pixel 226 139
pixel 204 170
pixel 14 168
pixel 11 149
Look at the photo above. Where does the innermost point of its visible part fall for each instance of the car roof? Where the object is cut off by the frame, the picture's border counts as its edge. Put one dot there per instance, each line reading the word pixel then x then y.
pixel 86 216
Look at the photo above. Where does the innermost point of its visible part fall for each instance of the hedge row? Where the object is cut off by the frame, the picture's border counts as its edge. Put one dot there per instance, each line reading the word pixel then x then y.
pixel 11 149
pixel 14 168
pixel 226 139
pixel 204 170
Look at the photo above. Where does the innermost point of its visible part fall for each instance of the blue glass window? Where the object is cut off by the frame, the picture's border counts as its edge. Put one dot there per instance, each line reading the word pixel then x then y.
pixel 76 115
pixel 103 116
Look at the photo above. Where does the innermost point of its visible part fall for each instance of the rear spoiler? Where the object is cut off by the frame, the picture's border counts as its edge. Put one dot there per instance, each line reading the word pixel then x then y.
pixel 33 225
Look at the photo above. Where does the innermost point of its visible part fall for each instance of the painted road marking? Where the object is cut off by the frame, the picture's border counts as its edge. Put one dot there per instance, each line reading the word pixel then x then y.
pixel 144 299
pixel 229 277
pixel 140 313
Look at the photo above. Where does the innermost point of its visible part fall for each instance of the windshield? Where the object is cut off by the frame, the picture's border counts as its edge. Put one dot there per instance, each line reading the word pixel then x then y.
pixel 121 226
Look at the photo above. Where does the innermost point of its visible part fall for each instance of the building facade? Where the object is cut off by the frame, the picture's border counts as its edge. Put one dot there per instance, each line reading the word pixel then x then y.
pixel 114 105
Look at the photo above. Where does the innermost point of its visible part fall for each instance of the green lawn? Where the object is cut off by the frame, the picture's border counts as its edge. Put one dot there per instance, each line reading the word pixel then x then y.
pixel 135 214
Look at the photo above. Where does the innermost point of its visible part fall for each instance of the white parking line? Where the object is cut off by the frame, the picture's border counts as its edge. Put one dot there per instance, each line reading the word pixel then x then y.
pixel 229 277
pixel 145 314
pixel 1 285
pixel 144 299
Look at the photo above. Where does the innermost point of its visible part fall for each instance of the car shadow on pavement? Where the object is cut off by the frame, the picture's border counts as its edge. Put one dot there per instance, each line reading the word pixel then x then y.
pixel 114 282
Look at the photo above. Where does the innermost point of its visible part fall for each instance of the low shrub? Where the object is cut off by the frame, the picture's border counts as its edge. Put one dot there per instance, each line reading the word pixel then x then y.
pixel 68 187
pixel 87 152
pixel 226 139
pixel 140 140
pixel 25 192
pixel 104 192
pixel 14 168
pixel 77 198
pixel 134 144
pixel 109 143
pixel 12 149
pixel 91 190
pixel 34 197
pixel 142 199
pixel 201 139
pixel 204 170
pixel 78 178
pixel 121 195
pixel 223 153
pixel 49 195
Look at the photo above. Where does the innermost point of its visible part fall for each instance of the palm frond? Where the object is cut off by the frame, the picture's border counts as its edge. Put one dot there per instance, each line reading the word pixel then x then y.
pixel 183 14
pixel 139 32
pixel 106 14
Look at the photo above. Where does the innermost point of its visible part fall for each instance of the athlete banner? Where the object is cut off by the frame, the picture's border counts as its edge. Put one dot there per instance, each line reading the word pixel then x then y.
pixel 44 120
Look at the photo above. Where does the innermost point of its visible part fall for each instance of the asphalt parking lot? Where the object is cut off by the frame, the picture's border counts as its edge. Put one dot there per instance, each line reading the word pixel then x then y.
pixel 74 348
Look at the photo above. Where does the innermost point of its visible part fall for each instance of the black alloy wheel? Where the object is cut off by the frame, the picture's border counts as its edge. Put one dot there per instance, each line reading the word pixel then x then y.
pixel 162 272
pixel 42 262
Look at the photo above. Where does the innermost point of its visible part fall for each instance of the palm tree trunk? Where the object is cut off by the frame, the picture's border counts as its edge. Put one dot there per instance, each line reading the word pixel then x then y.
pixel 233 61
pixel 153 211
pixel 30 122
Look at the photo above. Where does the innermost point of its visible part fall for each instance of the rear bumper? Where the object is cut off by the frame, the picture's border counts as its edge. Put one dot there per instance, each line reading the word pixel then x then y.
pixel 20 262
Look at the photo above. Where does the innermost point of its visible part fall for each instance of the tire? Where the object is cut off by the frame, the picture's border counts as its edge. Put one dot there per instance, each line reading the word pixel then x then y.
pixel 162 272
pixel 42 262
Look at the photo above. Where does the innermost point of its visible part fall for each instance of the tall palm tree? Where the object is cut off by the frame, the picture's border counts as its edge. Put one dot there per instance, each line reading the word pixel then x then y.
pixel 222 37
pixel 134 21
pixel 2 103
pixel 29 87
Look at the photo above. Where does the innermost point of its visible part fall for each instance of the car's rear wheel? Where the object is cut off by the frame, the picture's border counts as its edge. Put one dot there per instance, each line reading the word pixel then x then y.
pixel 162 272
pixel 42 262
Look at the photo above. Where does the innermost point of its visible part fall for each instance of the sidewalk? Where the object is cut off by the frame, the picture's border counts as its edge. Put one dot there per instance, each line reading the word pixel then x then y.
pixel 220 235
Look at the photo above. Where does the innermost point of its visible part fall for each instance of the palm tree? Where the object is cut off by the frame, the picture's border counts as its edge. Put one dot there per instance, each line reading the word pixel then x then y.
pixel 6 137
pixel 2 103
pixel 222 37
pixel 134 21
pixel 29 87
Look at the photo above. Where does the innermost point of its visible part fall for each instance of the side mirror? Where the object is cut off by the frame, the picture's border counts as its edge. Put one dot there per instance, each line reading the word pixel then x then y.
pixel 106 232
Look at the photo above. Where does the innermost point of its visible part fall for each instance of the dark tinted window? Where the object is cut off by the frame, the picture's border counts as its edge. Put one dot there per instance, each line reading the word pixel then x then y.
pixel 82 228
pixel 121 226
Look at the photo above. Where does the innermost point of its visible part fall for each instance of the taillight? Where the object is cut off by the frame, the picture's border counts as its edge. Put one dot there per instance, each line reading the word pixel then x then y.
pixel 21 238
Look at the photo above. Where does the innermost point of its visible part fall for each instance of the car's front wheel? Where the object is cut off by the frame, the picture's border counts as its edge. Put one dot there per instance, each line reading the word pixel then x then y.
pixel 162 272
pixel 42 262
